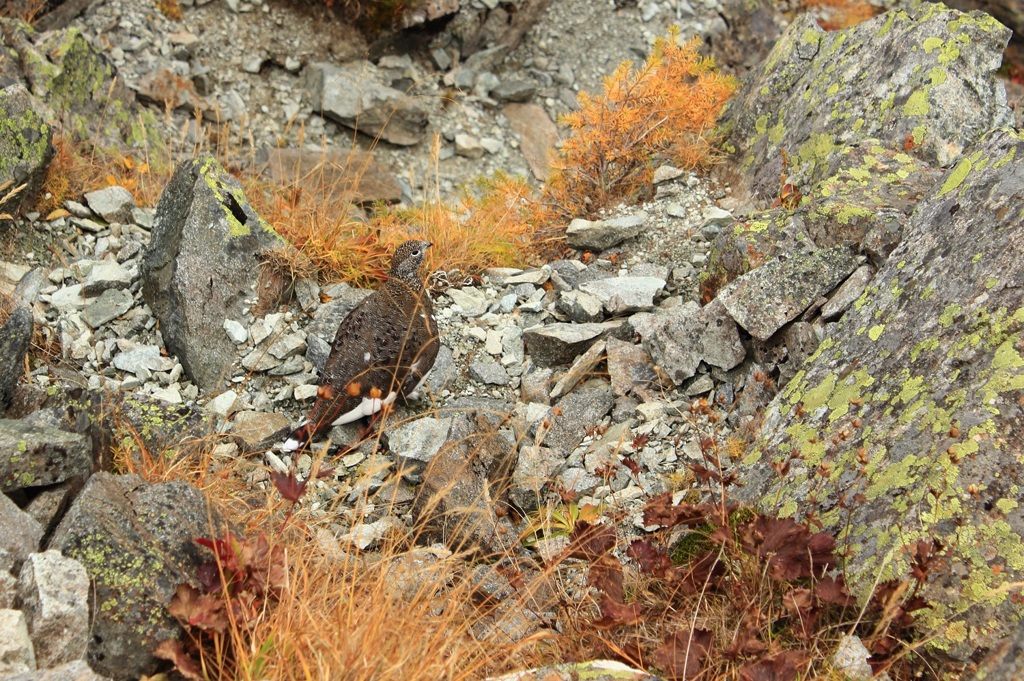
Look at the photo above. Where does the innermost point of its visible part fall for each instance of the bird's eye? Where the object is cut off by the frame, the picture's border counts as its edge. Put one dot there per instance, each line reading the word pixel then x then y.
pixel 416 252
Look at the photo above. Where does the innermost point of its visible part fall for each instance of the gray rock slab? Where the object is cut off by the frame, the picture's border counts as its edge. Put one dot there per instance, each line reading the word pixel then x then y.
pixel 354 95
pixel 471 301
pixel 580 306
pixel 26 144
pixel 582 408
pixel 680 338
pixel 583 365
pixel 599 235
pixel 488 371
pixel 622 295
pixel 560 343
pixel 924 379
pixel 113 204
pixel 15 338
pixel 20 535
pixel 631 369
pixel 54 593
pixel 415 443
pixel 16 652
pixel 764 300
pixel 107 307
pixel 927 74
pixel 142 358
pixel 103 275
pixel 36 456
pixel 535 469
pixel 78 670
pixel 849 291
pixel 200 267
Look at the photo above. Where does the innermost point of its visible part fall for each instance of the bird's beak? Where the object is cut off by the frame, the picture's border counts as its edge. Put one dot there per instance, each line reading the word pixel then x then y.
pixel 429 244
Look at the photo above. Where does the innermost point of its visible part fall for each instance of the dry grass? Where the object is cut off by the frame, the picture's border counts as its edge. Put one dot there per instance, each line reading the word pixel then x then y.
pixel 401 612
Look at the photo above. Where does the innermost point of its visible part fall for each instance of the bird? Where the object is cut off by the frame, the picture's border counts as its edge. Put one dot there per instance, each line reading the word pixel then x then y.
pixel 383 349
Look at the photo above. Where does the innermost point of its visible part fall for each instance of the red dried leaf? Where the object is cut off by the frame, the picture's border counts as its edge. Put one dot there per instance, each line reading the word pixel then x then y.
pixel 660 511
pixel 606 576
pixel 791 550
pixel 747 642
pixel 652 560
pixel 289 486
pixel 590 541
pixel 785 666
pixel 172 650
pixel 194 609
pixel 632 465
pixel 833 590
pixel 682 655
pixel 616 613
pixel 701 573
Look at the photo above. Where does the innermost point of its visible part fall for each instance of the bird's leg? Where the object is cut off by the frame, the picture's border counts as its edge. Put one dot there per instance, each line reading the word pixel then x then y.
pixel 375 419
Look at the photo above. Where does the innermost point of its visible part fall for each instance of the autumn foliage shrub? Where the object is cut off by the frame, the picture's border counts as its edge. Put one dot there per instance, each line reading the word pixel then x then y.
pixel 663 112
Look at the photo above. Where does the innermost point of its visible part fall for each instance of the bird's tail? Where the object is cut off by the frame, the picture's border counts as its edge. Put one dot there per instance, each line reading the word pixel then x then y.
pixel 299 437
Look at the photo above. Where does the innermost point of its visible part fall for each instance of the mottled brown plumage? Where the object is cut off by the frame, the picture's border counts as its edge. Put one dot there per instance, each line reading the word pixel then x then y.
pixel 383 349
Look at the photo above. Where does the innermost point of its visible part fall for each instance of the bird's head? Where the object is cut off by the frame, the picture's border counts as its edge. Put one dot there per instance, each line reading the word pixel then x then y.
pixel 405 265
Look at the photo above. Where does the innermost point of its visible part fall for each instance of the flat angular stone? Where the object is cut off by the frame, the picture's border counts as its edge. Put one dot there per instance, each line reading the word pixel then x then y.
pixel 415 443
pixel 54 594
pixel 622 295
pixel 110 305
pixel 764 300
pixel 599 235
pixel 36 456
pixel 113 204
pixel 560 343
pixel 679 339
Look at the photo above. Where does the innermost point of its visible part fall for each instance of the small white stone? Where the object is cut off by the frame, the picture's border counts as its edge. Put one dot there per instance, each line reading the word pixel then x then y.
pixel 236 332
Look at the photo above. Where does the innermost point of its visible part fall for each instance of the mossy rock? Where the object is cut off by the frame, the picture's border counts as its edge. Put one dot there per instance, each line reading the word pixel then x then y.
pixel 921 80
pixel 914 403
pixel 25 148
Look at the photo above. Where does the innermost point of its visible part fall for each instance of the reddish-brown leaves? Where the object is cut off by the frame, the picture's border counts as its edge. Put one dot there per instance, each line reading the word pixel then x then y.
pixel 174 651
pixel 195 609
pixel 660 511
pixel 682 655
pixel 289 486
pixel 792 551
pixel 786 666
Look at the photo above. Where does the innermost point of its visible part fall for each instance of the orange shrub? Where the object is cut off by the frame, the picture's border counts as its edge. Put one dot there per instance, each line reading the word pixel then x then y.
pixel 663 112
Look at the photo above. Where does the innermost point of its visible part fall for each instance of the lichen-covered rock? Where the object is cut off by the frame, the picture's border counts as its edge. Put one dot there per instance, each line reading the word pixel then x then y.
pixel 680 338
pixel 754 240
pixel 763 300
pixel 354 95
pixel 913 407
pixel 32 456
pixel 136 541
pixel 15 336
pixel 203 266
pixel 921 80
pixel 82 91
pixel 25 148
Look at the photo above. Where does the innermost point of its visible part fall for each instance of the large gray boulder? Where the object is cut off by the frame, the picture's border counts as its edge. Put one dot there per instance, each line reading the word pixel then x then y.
pixel 907 418
pixel 136 541
pixel 25 149
pixel 920 80
pixel 203 266
pixel 354 95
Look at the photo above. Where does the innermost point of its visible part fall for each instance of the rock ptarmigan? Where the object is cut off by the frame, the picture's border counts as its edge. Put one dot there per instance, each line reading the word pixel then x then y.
pixel 384 348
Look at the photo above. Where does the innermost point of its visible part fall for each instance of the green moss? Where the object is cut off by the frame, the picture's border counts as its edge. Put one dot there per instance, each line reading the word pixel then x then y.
pixel 761 124
pixel 931 44
pixel 875 332
pixel 949 314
